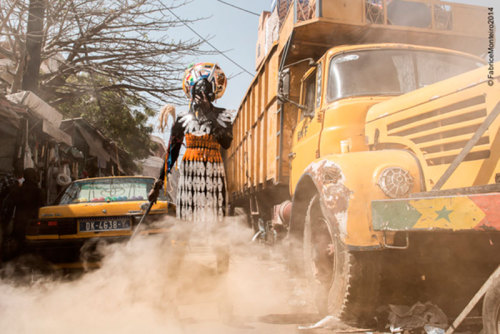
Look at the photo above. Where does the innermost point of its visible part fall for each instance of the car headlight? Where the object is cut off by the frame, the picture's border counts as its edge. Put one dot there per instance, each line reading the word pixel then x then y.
pixel 395 182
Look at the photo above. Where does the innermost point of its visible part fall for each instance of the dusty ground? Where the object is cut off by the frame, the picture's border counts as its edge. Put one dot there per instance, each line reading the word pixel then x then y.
pixel 139 288
pixel 145 286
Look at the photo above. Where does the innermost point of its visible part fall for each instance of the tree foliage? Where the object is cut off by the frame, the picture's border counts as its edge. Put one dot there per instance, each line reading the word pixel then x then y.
pixel 109 61
pixel 122 119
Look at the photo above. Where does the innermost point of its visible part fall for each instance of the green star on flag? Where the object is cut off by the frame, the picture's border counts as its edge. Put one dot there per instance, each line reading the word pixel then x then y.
pixel 444 214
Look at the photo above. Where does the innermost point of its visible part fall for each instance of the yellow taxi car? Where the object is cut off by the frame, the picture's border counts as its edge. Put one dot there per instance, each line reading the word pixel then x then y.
pixel 90 211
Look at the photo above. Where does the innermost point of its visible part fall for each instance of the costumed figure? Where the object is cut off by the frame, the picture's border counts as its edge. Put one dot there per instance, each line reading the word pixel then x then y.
pixel 201 189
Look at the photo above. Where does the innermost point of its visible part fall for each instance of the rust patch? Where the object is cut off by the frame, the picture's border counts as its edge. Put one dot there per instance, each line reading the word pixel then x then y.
pixel 335 196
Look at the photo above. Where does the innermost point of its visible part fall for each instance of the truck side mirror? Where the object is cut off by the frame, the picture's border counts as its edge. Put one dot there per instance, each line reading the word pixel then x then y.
pixel 284 89
pixel 284 83
pixel 308 112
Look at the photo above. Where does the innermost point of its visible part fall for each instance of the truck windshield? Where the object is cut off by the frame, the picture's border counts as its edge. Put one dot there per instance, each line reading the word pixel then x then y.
pixel 391 72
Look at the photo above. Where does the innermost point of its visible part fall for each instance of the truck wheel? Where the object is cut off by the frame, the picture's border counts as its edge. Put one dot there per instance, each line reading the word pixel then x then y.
pixel 347 282
pixel 491 309
pixel 318 264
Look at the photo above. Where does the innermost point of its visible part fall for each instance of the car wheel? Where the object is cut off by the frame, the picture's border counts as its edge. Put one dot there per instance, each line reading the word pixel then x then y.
pixel 346 283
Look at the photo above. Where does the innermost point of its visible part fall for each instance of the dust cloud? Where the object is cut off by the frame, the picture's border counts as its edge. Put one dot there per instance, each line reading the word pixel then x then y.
pixel 156 284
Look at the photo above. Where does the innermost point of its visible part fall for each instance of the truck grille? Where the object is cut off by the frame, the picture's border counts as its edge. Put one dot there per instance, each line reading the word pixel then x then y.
pixel 441 133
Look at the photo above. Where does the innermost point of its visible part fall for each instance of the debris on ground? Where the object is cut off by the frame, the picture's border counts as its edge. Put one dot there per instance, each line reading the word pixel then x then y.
pixel 328 322
pixel 428 318
pixel 433 330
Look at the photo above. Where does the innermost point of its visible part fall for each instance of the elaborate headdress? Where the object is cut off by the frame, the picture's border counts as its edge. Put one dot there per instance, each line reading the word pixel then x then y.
pixel 210 71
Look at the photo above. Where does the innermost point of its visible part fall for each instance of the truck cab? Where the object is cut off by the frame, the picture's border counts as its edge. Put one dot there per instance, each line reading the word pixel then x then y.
pixel 348 80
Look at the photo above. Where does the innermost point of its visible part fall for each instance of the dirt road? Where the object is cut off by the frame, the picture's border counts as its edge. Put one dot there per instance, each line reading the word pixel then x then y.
pixel 256 295
pixel 133 290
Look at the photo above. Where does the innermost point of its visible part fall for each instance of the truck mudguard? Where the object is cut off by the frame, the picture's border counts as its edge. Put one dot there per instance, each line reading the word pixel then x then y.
pixel 347 184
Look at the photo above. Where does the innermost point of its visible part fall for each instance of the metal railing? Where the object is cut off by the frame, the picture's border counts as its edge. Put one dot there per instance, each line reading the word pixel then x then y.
pixel 414 13
pixel 305 9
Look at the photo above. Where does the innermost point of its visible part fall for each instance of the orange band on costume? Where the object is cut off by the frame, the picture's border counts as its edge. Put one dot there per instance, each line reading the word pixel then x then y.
pixel 202 148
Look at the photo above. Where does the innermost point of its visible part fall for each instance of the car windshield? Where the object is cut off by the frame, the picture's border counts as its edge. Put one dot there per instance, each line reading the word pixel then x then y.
pixel 107 190
pixel 391 72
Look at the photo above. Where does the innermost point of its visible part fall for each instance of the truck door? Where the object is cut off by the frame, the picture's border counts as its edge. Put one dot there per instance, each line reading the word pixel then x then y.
pixel 305 147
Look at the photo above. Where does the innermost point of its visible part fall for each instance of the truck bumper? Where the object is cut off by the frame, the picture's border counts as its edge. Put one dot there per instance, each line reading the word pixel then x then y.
pixel 480 212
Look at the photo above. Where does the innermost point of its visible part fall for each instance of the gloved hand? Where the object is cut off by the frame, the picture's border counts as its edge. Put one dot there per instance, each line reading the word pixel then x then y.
pixel 155 191
pixel 202 103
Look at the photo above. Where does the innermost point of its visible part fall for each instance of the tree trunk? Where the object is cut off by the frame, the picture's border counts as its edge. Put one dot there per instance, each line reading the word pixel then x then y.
pixel 34 39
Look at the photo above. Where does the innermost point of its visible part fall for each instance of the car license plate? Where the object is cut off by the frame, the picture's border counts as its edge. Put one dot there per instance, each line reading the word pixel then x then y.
pixel 104 224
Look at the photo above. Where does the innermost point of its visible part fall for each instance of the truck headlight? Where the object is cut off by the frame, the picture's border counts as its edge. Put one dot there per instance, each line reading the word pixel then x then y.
pixel 395 182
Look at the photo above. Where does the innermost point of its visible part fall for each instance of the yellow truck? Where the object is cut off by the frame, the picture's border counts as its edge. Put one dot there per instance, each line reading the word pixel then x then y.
pixel 366 141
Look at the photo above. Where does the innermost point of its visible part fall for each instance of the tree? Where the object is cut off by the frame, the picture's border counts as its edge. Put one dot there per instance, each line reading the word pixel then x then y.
pixel 110 61
pixel 122 119
pixel 126 40
pixel 34 39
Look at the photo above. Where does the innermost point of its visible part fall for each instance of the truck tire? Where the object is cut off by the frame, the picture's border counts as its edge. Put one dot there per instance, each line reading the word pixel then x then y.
pixel 491 309
pixel 346 282
pixel 318 265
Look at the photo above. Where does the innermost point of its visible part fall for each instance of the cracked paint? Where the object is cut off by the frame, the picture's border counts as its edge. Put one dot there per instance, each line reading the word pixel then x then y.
pixel 329 179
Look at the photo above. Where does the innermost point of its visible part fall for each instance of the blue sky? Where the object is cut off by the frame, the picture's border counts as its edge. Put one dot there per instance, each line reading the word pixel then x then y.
pixel 230 30
pixel 235 32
